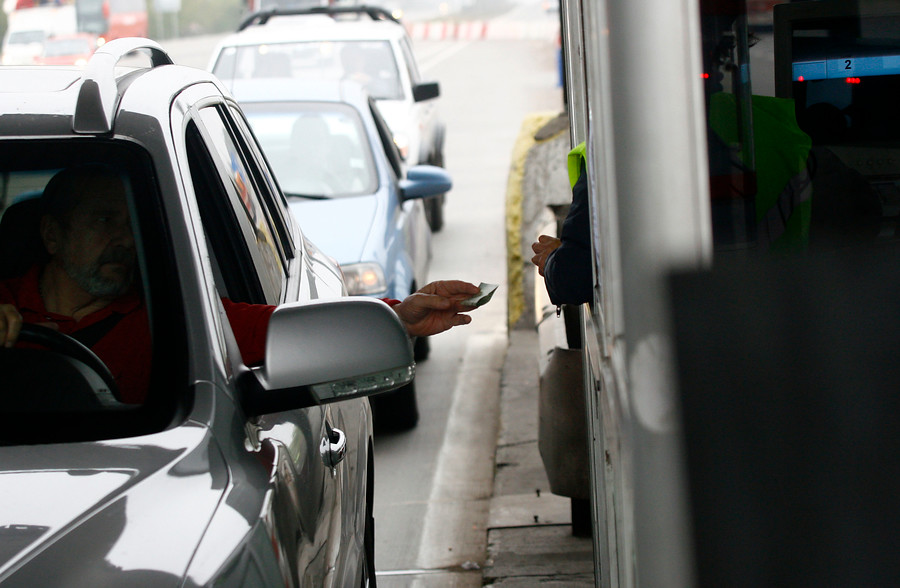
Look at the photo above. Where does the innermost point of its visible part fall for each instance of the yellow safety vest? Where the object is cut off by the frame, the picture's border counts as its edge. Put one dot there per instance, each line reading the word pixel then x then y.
pixel 781 150
pixel 575 158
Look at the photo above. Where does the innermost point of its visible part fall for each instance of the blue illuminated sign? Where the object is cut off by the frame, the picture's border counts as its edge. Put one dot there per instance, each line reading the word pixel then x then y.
pixel 844 67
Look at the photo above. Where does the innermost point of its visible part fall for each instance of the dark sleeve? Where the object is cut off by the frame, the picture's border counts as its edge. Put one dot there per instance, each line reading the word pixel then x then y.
pixel 567 273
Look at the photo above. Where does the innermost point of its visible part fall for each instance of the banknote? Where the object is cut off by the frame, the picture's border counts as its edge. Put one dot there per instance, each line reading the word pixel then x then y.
pixel 486 291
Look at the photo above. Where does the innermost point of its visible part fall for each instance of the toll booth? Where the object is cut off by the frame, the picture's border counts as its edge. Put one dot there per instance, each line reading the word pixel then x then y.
pixel 840 63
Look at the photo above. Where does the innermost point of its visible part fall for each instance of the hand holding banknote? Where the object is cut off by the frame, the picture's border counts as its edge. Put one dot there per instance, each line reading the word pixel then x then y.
pixel 437 307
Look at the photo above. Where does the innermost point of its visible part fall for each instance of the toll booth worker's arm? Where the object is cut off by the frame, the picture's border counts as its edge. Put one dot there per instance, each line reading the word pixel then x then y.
pixel 567 271
pixel 543 247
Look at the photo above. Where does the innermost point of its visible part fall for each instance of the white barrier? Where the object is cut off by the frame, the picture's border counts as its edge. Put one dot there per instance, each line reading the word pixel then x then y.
pixel 483 30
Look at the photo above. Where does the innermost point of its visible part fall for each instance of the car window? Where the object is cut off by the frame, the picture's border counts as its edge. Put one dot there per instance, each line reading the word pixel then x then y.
pixel 57 47
pixel 250 211
pixel 277 207
pixel 290 4
pixel 316 149
pixel 371 63
pixel 25 37
pixel 115 244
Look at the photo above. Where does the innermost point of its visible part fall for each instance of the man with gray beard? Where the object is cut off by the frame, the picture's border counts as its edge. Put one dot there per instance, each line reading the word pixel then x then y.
pixel 87 286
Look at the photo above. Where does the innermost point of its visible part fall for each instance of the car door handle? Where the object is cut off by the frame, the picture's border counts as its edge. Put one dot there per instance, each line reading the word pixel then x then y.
pixel 333 448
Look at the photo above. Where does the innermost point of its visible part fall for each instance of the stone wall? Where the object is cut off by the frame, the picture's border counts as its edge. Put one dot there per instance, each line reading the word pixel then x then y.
pixel 538 195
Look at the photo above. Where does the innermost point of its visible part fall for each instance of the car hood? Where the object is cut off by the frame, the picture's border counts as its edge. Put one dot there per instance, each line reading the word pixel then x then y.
pixel 100 513
pixel 340 227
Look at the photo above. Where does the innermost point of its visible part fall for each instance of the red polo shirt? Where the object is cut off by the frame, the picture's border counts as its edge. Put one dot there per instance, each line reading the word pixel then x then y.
pixel 126 349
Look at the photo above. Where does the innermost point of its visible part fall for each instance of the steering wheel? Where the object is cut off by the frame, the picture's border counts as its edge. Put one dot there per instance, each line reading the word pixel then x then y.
pixel 66 345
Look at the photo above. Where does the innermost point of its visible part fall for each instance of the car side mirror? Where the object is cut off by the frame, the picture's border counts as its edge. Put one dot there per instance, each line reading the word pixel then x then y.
pixel 426 91
pixel 422 181
pixel 327 351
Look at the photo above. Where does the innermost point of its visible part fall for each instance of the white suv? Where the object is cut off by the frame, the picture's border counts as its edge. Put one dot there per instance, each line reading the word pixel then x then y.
pixel 359 42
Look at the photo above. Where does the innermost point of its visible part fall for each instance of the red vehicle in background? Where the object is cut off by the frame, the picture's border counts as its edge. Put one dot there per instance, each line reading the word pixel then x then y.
pixel 127 18
pixel 31 23
pixel 112 19
pixel 759 13
pixel 69 49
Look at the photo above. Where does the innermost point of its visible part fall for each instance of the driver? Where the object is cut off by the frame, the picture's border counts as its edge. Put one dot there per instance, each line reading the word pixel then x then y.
pixel 87 288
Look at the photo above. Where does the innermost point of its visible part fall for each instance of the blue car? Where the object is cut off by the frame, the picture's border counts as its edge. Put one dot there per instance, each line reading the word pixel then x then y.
pixel 335 160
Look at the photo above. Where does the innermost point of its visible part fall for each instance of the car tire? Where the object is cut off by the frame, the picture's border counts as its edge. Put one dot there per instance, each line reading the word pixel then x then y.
pixel 368 563
pixel 434 207
pixel 368 572
pixel 434 212
pixel 421 348
pixel 395 411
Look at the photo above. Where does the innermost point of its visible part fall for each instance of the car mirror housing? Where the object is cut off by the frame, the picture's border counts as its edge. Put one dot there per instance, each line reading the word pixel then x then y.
pixel 426 91
pixel 328 351
pixel 423 181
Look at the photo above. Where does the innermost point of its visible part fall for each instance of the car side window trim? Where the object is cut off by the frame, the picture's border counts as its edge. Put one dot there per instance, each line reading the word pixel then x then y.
pixel 387 139
pixel 259 238
pixel 217 214
pixel 267 186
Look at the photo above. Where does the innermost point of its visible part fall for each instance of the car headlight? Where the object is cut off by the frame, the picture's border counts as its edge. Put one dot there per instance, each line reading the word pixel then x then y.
pixel 364 278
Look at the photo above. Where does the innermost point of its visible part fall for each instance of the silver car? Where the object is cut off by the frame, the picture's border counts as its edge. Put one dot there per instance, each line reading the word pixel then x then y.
pixel 227 473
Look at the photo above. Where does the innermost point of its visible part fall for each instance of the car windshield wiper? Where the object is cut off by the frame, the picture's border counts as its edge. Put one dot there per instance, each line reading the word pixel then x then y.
pixel 307 196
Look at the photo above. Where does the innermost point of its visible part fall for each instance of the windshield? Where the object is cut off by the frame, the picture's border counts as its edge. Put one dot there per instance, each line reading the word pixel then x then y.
pixel 370 63
pixel 25 37
pixel 317 150
pixel 267 4
pixel 59 47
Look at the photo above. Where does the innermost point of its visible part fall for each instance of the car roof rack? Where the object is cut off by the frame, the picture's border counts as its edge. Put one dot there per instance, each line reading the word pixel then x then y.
pixel 261 17
pixel 98 97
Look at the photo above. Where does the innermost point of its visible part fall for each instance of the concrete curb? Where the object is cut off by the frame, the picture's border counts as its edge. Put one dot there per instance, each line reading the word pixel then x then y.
pixel 529 534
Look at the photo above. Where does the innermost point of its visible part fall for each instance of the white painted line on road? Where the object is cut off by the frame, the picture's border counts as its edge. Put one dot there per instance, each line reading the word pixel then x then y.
pixel 454 529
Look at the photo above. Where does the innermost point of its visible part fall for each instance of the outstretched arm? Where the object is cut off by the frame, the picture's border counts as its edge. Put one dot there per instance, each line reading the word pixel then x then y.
pixel 436 307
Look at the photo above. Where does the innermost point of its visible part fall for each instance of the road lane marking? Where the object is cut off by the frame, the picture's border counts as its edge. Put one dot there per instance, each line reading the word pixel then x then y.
pixel 454 529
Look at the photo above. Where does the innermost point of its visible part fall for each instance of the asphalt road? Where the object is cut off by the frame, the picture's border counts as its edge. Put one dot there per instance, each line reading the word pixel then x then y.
pixel 433 483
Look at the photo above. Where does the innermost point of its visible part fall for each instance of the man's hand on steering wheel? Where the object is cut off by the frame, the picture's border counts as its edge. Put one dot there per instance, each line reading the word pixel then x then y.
pixel 10 325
